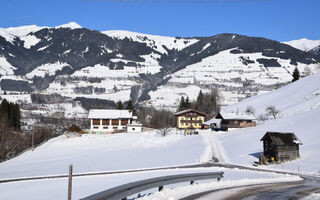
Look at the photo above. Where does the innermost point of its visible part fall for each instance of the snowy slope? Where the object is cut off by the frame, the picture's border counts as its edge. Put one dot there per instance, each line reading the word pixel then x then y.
pixel 303 44
pixel 119 65
pixel 94 153
pixel 300 96
pixel 228 73
pixel 154 41
pixel 106 152
pixel 248 145
pixel 299 105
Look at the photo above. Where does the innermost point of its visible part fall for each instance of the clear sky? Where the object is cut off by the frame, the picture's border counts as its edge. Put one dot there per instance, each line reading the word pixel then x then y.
pixel 280 20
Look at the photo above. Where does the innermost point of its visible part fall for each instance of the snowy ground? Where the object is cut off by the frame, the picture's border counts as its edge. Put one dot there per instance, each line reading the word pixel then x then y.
pixel 104 153
pixel 299 106
pixel 295 98
pixel 91 153
pixel 54 189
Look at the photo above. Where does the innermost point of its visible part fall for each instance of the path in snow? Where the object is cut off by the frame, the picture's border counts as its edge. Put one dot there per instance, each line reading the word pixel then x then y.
pixel 214 151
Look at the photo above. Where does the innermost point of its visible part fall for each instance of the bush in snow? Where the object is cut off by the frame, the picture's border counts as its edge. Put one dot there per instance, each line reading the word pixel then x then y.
pixel 75 128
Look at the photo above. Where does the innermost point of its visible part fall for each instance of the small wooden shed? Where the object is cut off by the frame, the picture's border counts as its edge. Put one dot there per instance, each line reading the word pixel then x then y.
pixel 280 146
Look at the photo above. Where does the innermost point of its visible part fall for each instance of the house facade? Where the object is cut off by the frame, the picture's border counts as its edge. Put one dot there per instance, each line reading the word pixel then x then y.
pixel 111 121
pixel 236 120
pixel 190 119
pixel 280 146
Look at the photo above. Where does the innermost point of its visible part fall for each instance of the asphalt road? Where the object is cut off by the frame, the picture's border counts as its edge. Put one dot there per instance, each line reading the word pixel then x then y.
pixel 273 191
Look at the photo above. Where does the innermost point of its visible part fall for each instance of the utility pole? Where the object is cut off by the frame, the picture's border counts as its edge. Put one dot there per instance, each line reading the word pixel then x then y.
pixel 70 183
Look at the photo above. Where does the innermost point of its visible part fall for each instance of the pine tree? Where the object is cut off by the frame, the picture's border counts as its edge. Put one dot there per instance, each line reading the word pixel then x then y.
pixel 182 104
pixel 119 105
pixel 187 104
pixel 295 74
pixel 131 107
pixel 5 108
pixel 12 115
pixel 17 116
pixel 199 102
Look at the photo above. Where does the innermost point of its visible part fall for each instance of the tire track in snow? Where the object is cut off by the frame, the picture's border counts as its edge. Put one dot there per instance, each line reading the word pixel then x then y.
pixel 214 151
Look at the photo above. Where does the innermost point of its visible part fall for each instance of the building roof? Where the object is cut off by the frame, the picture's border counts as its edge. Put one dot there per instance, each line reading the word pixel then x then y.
pixel 109 114
pixel 211 121
pixel 188 111
pixel 236 116
pixel 282 138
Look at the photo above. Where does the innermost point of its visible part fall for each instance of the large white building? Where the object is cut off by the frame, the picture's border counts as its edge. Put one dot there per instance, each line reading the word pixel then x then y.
pixel 110 121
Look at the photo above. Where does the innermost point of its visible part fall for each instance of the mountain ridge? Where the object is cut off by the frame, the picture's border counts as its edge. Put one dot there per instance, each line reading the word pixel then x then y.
pixel 66 60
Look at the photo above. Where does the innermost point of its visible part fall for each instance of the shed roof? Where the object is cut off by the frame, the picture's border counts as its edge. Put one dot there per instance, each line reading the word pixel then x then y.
pixel 236 116
pixel 211 121
pixel 188 111
pixel 109 114
pixel 282 138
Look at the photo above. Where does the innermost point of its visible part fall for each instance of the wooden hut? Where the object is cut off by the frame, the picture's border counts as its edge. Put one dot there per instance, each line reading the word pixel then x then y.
pixel 280 146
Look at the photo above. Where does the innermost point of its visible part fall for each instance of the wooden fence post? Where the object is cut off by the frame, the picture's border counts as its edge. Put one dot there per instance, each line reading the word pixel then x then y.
pixel 32 140
pixel 70 183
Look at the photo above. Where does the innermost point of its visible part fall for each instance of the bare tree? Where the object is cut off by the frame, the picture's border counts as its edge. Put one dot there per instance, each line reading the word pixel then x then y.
pixel 164 131
pixel 272 110
pixel 262 118
pixel 250 109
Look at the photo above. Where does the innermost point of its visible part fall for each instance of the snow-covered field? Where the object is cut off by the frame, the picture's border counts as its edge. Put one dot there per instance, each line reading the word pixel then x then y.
pixel 106 152
pixel 91 153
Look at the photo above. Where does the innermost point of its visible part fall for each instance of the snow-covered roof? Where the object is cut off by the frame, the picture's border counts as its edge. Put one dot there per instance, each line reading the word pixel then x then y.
pixel 109 114
pixel 237 116
pixel 187 111
pixel 211 121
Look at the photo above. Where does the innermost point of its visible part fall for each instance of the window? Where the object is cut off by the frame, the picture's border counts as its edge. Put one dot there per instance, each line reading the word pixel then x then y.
pixel 115 127
pixel 96 127
pixel 105 127
pixel 105 122
pixel 133 129
pixel 115 122
pixel 124 128
pixel 124 121
pixel 96 122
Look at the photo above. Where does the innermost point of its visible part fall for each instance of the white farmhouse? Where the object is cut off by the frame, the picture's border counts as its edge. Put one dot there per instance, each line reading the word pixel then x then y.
pixel 111 120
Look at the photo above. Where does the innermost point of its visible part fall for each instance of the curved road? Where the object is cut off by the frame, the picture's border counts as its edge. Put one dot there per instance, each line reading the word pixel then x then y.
pixel 288 191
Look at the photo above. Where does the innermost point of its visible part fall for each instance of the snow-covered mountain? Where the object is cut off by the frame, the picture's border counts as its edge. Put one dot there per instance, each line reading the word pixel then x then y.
pixel 304 44
pixel 79 63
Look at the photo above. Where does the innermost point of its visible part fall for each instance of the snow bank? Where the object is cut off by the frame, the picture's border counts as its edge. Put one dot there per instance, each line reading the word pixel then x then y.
pixel 233 177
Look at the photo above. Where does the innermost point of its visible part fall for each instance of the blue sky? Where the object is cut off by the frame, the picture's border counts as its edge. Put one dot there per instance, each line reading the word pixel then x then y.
pixel 280 20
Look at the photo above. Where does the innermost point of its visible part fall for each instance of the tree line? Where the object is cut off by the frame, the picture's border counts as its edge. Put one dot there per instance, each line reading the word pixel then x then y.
pixel 10 114
pixel 208 103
